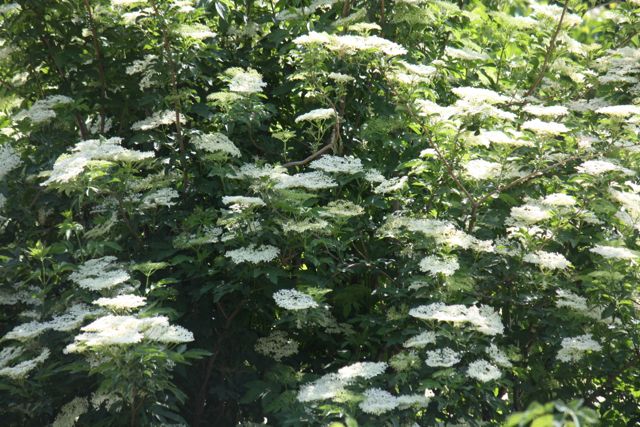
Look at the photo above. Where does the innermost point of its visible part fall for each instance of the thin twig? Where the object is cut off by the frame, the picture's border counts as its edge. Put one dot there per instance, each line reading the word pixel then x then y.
pixel 315 155
pixel 550 49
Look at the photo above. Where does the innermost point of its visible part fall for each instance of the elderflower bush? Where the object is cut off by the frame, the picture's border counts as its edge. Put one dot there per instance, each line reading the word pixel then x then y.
pixel 328 213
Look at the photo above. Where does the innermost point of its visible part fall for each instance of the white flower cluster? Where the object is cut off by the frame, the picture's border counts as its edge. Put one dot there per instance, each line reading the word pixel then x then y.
pixel 465 54
pixel 366 370
pixel 43 110
pixel 598 167
pixel 330 385
pixel 216 142
pixel 351 45
pixel 160 197
pixel 22 369
pixel 99 273
pixel 614 252
pixel 421 340
pixel 484 318
pixel 122 302
pixel 442 358
pixel 546 111
pixel 558 200
pixel 157 119
pixel 545 128
pixel 530 213
pixel 241 203
pixel 476 95
pixel 619 110
pixel 196 31
pixel 277 346
pixel 553 12
pixel 444 232
pixel 308 180
pixel 482 169
pixel 316 115
pixel 574 348
pixel 483 371
pixel 435 265
pixel 207 235
pixel 290 299
pixel 69 166
pixel 498 356
pixel 340 78
pixel 305 225
pixel 122 330
pixel 70 412
pixel 6 9
pixel 412 74
pixel 547 260
pixel 71 319
pixel 145 67
pixel 9 160
pixel 377 401
pixel 253 254
pixel 513 138
pixel 336 164
pixel 245 82
pixel 253 172
pixel 391 185
pixel 341 208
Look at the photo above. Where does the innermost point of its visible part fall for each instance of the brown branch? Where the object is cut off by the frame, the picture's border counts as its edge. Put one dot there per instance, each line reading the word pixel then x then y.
pixel 315 155
pixel 550 49
pixel 331 145
pixel 99 63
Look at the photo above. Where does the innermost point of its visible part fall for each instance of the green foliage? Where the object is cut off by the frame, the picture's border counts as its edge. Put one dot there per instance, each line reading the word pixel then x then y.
pixel 343 213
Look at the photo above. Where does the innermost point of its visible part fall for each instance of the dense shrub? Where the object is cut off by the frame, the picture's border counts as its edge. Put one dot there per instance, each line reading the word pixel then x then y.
pixel 338 213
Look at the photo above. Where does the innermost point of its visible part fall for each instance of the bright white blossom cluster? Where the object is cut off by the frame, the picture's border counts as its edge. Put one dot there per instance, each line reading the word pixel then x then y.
pixel 245 82
pixel 437 265
pixel 574 348
pixel 599 167
pixel 483 371
pixel 545 128
pixel 160 197
pixel 68 166
pixel 69 320
pixel 341 208
pixel 421 340
pixel 550 111
pixel 124 330
pixel 43 110
pixel 317 115
pixel 442 358
pixel 253 254
pixel 465 54
pixel 121 302
pixel 157 119
pixel 614 252
pixel 98 274
pixel 336 164
pixel 290 299
pixel 349 44
pixel 216 143
pixel 308 180
pixel 547 260
pixel 484 318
